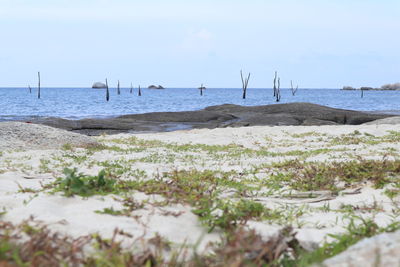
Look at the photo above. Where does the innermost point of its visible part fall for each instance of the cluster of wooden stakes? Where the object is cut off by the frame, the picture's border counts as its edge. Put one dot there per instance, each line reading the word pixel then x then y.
pixel 245 83
pixel 277 86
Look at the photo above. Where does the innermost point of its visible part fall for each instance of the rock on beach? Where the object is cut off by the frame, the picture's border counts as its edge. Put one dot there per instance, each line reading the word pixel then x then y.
pixel 22 135
pixel 378 251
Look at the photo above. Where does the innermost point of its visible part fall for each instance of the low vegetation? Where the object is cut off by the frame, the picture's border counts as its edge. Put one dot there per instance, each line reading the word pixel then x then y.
pixel 228 187
pixel 33 244
pixel 335 176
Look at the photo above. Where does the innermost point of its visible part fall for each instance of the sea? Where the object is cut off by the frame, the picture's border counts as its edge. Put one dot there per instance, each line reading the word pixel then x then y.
pixel 78 103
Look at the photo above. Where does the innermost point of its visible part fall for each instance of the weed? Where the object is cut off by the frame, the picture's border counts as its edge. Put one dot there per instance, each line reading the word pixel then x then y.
pixel 44 166
pixel 67 147
pixel 307 134
pixel 325 176
pixel 112 211
pixel 79 184
pixel 228 215
pixel 129 204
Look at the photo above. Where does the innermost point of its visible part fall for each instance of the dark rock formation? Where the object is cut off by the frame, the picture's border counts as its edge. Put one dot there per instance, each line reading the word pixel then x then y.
pixel 365 88
pixel 155 87
pixel 99 85
pixel 394 86
pixel 348 88
pixel 295 114
pixel 227 115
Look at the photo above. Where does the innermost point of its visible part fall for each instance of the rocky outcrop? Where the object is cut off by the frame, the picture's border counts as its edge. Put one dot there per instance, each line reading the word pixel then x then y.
pixel 348 88
pixel 227 115
pixel 390 120
pixel 378 251
pixel 393 86
pixel 19 135
pixel 155 87
pixel 295 114
pixel 99 85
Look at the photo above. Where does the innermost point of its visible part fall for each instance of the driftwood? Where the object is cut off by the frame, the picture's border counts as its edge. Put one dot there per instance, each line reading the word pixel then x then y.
pixel 307 197
pixel 39 84
pixel 245 83
pixel 107 92
pixel 39 176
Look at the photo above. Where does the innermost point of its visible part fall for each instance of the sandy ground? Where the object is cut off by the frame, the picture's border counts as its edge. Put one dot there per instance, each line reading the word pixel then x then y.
pixel 76 215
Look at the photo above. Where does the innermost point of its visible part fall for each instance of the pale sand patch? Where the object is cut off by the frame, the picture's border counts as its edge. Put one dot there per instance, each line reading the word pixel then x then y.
pixel 76 215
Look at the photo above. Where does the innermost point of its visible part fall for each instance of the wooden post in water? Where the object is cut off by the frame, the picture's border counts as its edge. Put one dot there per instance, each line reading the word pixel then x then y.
pixel 201 89
pixel 245 83
pixel 118 90
pixel 39 84
pixel 276 73
pixel 30 89
pixel 107 91
pixel 131 89
pixel 362 92
pixel 278 91
pixel 139 92
pixel 293 90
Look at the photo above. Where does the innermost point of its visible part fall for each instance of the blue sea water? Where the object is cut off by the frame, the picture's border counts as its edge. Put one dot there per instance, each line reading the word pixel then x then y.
pixel 77 103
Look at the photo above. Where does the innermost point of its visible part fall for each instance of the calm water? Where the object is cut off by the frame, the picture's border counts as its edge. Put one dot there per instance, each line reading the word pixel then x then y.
pixel 75 103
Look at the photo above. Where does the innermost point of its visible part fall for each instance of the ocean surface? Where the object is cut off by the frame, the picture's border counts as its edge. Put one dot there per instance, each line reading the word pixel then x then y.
pixel 77 103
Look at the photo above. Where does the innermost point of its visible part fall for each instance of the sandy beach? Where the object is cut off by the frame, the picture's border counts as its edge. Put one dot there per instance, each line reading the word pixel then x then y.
pixel 253 160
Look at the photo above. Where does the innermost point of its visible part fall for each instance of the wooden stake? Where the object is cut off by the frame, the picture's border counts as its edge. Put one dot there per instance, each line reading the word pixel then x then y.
pixel 278 90
pixel 39 84
pixel 201 89
pixel 276 73
pixel 245 83
pixel 139 92
pixel 293 90
pixel 118 90
pixel 107 91
pixel 131 89
pixel 30 89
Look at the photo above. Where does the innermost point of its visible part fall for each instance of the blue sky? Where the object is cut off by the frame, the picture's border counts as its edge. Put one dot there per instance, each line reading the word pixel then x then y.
pixel 183 43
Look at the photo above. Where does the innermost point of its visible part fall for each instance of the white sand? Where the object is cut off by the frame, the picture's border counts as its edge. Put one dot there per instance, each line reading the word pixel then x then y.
pixel 76 216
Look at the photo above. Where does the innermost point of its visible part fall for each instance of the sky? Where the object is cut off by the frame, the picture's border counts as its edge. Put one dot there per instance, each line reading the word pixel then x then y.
pixel 185 43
